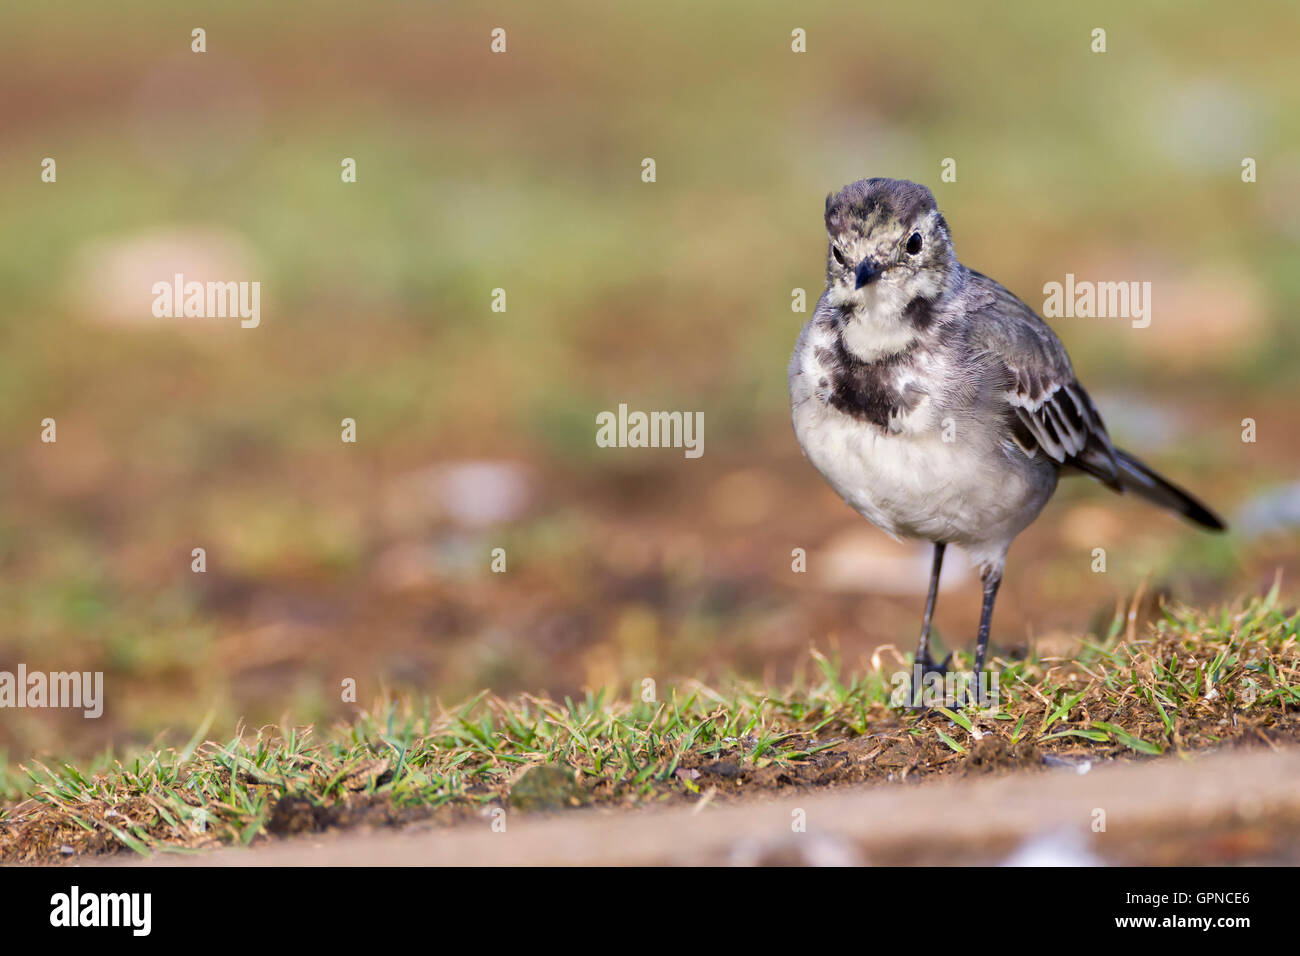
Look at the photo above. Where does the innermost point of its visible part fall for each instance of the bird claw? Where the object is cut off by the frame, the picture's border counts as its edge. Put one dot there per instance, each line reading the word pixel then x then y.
pixel 923 667
pixel 972 695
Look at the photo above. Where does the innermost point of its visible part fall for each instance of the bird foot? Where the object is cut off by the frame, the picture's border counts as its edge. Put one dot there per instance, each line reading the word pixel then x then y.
pixel 934 689
pixel 972 694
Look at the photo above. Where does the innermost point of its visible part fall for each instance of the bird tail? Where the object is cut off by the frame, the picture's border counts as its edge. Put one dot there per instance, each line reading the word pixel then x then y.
pixel 1145 483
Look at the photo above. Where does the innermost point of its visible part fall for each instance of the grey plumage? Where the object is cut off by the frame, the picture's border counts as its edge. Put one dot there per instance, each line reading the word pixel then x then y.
pixel 939 405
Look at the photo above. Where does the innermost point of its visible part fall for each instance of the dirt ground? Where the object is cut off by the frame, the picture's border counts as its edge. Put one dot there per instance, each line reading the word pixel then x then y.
pixel 1228 808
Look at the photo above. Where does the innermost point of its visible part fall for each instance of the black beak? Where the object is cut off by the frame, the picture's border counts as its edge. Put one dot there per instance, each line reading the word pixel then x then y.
pixel 868 271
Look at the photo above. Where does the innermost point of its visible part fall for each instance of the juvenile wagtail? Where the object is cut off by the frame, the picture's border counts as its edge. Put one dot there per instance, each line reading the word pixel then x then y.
pixel 936 403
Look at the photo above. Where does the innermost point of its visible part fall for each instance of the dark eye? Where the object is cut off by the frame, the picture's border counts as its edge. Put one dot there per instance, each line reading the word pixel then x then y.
pixel 914 244
pixel 839 256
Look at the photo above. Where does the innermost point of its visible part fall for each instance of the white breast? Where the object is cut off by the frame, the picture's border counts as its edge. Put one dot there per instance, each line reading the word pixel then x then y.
pixel 877 328
pixel 899 482
pixel 929 476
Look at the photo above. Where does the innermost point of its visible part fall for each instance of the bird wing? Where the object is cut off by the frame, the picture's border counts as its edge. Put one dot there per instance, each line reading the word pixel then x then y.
pixel 1047 411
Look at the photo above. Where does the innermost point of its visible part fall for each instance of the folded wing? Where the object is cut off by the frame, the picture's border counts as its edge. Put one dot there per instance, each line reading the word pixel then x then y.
pixel 1048 412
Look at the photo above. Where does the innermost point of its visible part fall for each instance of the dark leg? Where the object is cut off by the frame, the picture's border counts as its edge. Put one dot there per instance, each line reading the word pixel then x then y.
pixel 923 648
pixel 991 578
pixel 923 660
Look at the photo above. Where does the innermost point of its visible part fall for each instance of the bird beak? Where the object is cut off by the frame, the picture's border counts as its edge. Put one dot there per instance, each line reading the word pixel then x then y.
pixel 868 271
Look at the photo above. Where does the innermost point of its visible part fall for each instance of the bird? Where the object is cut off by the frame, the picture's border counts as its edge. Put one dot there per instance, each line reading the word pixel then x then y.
pixel 938 405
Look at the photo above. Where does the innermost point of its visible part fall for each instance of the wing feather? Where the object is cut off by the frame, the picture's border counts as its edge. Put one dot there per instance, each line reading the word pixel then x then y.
pixel 1049 411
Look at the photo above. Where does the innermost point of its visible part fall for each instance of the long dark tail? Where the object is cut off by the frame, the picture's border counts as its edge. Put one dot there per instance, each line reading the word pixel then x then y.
pixel 1142 481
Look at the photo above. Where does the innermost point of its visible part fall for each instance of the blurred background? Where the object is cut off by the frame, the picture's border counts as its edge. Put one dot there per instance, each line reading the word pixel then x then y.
pixel 476 429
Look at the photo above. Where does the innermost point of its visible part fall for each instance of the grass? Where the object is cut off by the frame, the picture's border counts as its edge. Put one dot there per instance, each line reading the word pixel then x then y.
pixel 1194 680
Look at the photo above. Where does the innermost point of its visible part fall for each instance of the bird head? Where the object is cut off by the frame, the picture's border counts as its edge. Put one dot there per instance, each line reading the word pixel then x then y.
pixel 886 235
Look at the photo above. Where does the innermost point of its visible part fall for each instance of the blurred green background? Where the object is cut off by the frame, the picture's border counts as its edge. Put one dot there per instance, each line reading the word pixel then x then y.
pixel 476 428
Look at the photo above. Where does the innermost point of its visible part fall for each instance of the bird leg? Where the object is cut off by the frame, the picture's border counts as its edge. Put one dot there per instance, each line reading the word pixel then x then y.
pixel 991 578
pixel 923 659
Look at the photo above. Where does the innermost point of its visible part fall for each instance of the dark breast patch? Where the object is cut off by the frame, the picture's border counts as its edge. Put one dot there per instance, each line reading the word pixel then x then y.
pixel 919 312
pixel 865 390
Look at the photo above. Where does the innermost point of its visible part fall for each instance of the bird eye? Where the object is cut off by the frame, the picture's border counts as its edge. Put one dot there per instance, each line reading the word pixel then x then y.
pixel 839 256
pixel 914 244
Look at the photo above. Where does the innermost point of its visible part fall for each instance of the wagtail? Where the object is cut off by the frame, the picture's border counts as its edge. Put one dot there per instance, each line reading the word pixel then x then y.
pixel 936 403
